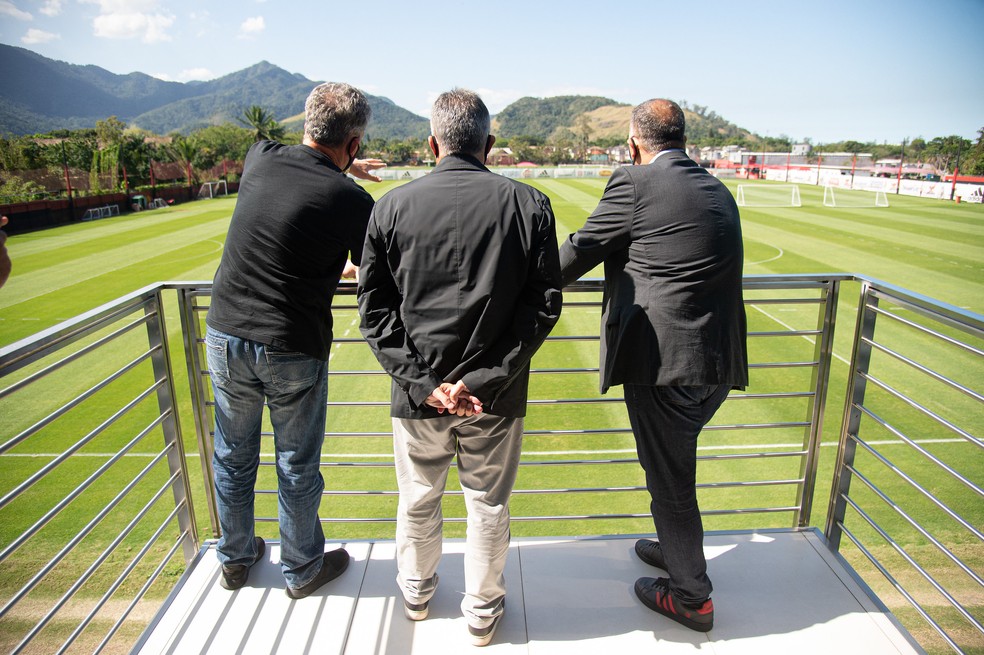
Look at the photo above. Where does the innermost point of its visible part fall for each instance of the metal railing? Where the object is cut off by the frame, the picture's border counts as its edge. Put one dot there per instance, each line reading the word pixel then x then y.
pixel 89 382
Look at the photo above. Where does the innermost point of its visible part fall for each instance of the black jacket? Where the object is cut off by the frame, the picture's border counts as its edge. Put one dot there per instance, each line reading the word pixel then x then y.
pixel 670 237
pixel 460 279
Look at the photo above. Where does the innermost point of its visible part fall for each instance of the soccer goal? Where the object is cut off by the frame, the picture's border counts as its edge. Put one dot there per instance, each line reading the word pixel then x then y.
pixel 213 189
pixel 857 199
pixel 769 195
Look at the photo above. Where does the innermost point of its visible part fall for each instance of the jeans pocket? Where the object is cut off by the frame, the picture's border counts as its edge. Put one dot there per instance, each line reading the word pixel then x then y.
pixel 217 357
pixel 291 372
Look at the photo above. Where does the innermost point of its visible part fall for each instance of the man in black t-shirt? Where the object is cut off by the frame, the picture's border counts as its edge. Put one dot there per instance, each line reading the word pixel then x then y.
pixel 298 218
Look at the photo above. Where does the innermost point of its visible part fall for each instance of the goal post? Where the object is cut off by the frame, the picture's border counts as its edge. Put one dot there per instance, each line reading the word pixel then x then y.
pixel 769 195
pixel 853 199
pixel 213 189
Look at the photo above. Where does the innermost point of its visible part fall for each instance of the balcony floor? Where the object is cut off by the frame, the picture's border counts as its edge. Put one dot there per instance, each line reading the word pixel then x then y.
pixel 775 592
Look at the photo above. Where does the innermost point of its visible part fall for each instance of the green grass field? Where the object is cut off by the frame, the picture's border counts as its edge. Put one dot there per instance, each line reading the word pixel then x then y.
pixel 934 248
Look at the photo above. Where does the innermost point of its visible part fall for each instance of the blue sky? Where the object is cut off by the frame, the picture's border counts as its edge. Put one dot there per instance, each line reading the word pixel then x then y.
pixel 827 70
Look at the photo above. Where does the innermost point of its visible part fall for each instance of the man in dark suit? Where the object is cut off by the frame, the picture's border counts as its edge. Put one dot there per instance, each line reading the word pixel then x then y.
pixel 459 286
pixel 673 333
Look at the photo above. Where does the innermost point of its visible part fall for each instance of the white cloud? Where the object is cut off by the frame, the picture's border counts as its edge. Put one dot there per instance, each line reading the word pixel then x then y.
pixel 252 27
pixel 51 7
pixel 130 19
pixel 8 8
pixel 34 36
pixel 195 74
pixel 186 75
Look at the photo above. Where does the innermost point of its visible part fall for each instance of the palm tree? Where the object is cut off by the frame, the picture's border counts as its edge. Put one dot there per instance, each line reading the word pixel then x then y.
pixel 263 124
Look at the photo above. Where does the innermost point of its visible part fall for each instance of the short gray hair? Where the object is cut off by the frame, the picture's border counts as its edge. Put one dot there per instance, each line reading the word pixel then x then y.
pixel 460 122
pixel 659 124
pixel 334 112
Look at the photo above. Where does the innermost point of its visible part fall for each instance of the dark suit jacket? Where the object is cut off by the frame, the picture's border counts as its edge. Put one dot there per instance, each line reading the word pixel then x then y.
pixel 460 279
pixel 669 235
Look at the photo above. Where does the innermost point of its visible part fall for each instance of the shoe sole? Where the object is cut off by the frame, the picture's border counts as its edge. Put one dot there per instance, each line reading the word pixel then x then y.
pixel 679 618
pixel 415 615
pixel 224 581
pixel 297 594
pixel 484 640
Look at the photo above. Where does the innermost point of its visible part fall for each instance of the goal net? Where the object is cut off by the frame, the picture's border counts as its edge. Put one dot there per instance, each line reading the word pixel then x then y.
pixel 844 198
pixel 769 195
pixel 213 189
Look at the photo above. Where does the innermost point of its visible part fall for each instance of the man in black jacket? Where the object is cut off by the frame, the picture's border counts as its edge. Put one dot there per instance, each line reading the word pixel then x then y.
pixel 673 333
pixel 459 286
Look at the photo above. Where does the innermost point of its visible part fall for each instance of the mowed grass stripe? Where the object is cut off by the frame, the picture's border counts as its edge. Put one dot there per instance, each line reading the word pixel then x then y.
pixel 839 250
pixel 884 235
pixel 79 264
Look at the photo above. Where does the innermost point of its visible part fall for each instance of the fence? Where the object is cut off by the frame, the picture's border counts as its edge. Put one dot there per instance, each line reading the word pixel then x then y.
pixel 90 543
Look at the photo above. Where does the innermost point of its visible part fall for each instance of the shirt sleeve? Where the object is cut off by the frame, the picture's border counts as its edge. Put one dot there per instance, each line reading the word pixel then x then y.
pixel 382 323
pixel 607 230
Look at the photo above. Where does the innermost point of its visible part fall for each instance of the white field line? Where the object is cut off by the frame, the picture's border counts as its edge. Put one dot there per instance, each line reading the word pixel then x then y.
pixel 618 451
pixel 790 327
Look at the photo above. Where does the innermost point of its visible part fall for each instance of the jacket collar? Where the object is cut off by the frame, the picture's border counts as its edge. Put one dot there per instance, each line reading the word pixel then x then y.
pixel 459 162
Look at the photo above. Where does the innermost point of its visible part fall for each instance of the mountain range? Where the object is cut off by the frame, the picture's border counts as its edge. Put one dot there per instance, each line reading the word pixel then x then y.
pixel 40 95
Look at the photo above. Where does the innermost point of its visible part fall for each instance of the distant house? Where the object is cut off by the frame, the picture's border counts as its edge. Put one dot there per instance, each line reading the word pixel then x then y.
pixel 801 149
pixel 596 155
pixel 619 154
pixel 500 157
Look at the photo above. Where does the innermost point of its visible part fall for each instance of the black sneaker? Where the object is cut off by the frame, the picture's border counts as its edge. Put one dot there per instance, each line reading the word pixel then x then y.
pixel 333 564
pixel 235 575
pixel 656 594
pixel 651 553
pixel 482 636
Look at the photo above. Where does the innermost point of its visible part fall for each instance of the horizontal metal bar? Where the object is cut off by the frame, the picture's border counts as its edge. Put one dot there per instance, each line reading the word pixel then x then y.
pixel 78 354
pixel 41 522
pixel 74 448
pixel 918 487
pixel 927 331
pixel 925 411
pixel 91 391
pixel 946 552
pixel 956 475
pixel 90 571
pixel 124 575
pixel 926 370
pixel 74 541
pixel 144 589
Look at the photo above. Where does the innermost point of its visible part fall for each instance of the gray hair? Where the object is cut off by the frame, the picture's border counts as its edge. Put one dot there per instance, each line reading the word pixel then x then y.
pixel 334 112
pixel 460 122
pixel 659 124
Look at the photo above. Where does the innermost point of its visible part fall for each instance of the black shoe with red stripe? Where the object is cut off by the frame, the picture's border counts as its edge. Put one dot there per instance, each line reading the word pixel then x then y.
pixel 656 594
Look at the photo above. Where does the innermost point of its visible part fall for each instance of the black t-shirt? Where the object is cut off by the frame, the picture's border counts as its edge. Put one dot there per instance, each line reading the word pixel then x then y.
pixel 297 219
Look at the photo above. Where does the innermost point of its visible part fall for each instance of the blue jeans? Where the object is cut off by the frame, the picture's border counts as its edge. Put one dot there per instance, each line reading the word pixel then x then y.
pixel 295 386
pixel 666 422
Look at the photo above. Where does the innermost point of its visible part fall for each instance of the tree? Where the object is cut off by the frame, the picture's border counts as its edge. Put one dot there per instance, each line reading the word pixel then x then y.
pixel 977 166
pixel 183 150
pixel 110 131
pixel 262 123
pixel 583 132
pixel 942 151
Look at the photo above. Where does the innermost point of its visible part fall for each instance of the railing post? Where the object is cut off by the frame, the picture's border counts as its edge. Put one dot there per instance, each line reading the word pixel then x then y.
pixel 823 352
pixel 850 425
pixel 190 328
pixel 176 462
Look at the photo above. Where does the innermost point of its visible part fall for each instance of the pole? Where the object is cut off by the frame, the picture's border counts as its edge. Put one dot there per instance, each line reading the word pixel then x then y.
pixel 956 171
pixel 819 161
pixel 898 179
pixel 854 163
pixel 68 182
